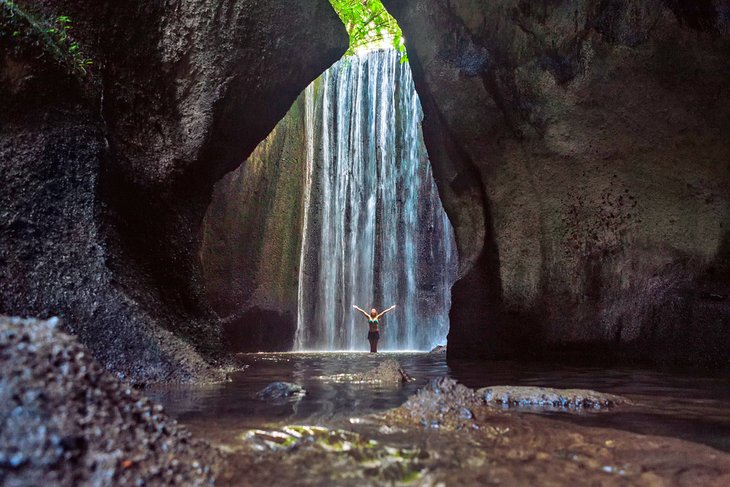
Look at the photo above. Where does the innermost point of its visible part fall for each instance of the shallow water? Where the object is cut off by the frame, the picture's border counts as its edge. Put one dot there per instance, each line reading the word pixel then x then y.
pixel 681 405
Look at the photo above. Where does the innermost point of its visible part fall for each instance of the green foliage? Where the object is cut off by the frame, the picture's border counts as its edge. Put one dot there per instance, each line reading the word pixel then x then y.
pixel 369 25
pixel 54 35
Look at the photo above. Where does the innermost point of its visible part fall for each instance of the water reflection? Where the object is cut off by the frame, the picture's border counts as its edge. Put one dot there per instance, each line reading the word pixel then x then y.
pixel 680 405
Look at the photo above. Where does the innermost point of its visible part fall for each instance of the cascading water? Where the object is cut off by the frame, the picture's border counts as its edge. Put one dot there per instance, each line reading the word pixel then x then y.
pixel 375 232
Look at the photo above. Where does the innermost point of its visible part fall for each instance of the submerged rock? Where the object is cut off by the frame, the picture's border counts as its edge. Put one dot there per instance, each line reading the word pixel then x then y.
pixel 278 390
pixel 64 420
pixel 314 455
pixel 549 397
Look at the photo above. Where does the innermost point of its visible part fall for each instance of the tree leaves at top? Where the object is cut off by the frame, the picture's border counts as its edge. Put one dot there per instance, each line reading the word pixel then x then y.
pixel 369 25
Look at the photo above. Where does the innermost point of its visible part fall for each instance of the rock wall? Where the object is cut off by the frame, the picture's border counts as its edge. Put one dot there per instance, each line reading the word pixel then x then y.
pixel 105 178
pixel 66 421
pixel 252 241
pixel 581 149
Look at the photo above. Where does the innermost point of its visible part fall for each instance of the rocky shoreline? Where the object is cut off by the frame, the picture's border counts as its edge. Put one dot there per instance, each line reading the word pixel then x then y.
pixel 67 421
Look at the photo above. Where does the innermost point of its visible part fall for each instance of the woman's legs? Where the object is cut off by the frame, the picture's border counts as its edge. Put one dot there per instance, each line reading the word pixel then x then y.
pixel 373 345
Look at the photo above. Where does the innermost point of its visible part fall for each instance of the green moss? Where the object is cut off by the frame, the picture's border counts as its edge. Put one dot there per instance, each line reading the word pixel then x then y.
pixel 366 458
pixel 51 35
pixel 411 476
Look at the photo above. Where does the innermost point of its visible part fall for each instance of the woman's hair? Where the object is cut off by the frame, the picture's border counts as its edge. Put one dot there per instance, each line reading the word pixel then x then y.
pixel 373 312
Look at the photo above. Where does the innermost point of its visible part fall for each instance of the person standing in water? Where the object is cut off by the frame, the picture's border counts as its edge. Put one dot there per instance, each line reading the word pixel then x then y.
pixel 373 322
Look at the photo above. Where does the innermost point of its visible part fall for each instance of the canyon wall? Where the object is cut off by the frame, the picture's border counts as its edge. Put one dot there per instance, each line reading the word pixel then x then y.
pixel 582 150
pixel 252 241
pixel 105 177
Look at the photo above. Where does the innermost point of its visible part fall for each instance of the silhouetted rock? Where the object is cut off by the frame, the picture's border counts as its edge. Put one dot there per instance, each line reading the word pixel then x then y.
pixel 259 330
pixel 549 397
pixel 64 420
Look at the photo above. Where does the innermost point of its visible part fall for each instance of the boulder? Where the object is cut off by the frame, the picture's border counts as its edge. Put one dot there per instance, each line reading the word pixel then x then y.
pixel 64 420
pixel 388 372
pixel 279 390
pixel 580 149
pixel 443 403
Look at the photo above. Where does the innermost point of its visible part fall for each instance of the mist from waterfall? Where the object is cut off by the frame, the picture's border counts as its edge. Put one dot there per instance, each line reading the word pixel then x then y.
pixel 374 231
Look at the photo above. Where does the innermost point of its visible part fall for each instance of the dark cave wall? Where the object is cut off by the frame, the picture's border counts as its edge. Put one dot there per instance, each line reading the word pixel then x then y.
pixel 105 179
pixel 581 149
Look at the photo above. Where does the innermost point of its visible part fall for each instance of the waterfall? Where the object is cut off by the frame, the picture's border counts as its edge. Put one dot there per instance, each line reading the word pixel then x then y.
pixel 374 231
pixel 309 164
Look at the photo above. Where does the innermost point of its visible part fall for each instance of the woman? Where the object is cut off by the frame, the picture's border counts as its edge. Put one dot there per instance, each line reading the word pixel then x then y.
pixel 373 321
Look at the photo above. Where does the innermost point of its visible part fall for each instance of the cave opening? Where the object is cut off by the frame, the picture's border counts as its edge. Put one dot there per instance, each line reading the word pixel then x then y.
pixel 336 207
pixel 581 150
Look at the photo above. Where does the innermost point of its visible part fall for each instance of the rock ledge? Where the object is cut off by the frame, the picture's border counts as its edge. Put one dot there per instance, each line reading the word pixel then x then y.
pixel 511 396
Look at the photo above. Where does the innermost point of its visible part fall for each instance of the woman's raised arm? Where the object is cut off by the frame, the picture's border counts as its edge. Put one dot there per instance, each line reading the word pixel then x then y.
pixel 362 311
pixel 389 309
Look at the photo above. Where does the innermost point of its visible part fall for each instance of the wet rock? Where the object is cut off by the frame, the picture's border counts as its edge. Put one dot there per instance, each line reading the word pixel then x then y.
pixel 389 372
pixel 439 349
pixel 505 448
pixel 443 403
pixel 465 413
pixel 64 420
pixel 548 397
pixel 278 390
pixel 334 457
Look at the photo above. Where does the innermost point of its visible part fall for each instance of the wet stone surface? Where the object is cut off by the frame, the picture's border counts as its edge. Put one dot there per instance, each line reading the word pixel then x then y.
pixel 443 402
pixel 280 390
pixel 494 446
pixel 341 456
pixel 447 434
pixel 65 421
pixel 387 372
pixel 511 396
